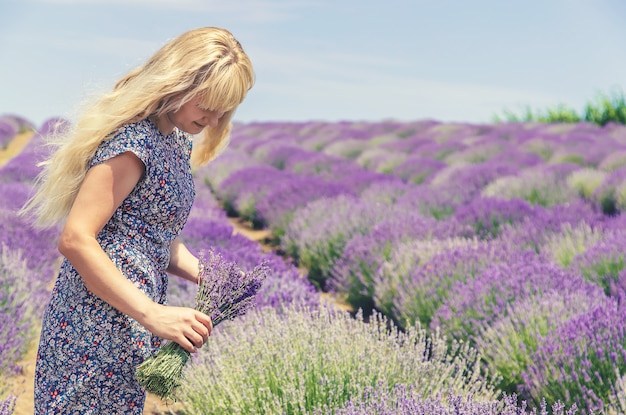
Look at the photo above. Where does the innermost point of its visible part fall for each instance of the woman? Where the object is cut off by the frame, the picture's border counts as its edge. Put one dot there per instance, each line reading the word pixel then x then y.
pixel 121 181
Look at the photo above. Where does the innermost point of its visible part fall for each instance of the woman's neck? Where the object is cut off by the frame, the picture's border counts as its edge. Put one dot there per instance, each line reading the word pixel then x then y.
pixel 163 123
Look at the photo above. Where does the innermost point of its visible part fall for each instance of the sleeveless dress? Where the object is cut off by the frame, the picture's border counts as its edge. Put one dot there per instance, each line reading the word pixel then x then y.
pixel 88 350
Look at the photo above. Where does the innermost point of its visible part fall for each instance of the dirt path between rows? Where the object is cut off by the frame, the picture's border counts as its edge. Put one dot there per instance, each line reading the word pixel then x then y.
pixel 15 146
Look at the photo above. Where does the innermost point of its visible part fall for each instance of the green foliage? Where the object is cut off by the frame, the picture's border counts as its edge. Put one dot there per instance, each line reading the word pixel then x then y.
pixel 604 109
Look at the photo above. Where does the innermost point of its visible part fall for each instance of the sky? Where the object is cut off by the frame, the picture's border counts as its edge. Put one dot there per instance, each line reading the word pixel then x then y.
pixel 322 60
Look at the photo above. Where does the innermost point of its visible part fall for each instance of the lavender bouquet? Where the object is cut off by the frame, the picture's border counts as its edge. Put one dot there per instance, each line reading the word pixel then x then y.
pixel 224 293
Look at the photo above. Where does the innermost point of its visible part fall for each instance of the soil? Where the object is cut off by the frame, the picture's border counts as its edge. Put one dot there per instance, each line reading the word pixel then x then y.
pixel 14 147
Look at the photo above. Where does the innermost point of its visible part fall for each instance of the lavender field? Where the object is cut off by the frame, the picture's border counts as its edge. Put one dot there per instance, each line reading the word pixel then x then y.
pixel 482 267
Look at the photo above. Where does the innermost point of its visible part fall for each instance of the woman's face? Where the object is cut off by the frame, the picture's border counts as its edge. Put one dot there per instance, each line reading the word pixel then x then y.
pixel 192 118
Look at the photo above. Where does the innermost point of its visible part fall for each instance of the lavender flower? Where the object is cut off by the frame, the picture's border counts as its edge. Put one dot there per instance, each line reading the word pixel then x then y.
pixel 225 165
pixel 508 344
pixel 7 405
pixel 225 292
pixel 487 215
pixel 352 274
pixel 603 262
pixel 577 363
pixel 239 192
pixel 418 277
pixel 417 169
pixel 405 400
pixel 275 207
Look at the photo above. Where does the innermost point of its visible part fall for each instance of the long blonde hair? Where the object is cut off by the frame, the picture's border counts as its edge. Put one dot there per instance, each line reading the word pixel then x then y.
pixel 207 62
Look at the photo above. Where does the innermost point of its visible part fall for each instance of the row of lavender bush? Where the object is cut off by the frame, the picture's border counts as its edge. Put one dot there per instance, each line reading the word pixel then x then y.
pixel 508 236
pixel 297 353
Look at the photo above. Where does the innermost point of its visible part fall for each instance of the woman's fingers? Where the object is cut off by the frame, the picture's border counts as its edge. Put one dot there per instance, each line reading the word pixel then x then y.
pixel 187 327
pixel 200 330
pixel 206 321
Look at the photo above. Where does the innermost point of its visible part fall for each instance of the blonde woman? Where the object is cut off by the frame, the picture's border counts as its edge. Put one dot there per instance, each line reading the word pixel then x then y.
pixel 121 183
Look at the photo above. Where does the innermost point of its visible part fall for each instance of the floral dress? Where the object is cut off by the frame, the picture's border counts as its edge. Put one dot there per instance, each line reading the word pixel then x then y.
pixel 88 350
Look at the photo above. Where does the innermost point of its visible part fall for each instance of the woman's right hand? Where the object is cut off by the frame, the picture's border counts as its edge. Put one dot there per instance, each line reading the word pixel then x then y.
pixel 188 327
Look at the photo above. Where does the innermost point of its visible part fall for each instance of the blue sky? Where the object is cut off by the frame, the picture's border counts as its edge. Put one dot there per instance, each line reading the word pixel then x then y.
pixel 328 60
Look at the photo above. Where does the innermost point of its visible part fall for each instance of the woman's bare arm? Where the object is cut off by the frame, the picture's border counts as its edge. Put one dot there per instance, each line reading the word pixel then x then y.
pixel 182 262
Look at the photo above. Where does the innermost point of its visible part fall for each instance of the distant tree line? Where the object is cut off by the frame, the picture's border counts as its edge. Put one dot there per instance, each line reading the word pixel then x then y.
pixel 605 108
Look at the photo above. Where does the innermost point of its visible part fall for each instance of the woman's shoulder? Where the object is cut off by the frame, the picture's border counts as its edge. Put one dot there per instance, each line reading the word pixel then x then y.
pixel 143 128
pixel 137 137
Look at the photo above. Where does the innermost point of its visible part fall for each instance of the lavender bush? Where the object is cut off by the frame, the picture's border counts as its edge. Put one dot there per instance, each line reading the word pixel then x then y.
pixel 230 161
pixel 7 132
pixel 350 148
pixel 537 186
pixel 488 215
pixel 276 207
pixel 384 192
pixel 18 320
pixel 419 276
pixel 319 231
pixel 582 361
pixel 417 169
pixel 331 359
pixel 39 251
pixel 241 190
pixel 585 181
pixel 613 161
pixel 351 276
pixel 603 262
pixel 536 232
pixel 380 160
pixel 480 301
pixel 403 400
pixel 439 203
pixel 507 346
pixel 16 311
pixel 563 247
pixel 472 178
pixel 610 195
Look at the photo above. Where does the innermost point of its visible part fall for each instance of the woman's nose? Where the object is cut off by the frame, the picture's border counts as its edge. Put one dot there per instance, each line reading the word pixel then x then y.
pixel 213 120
